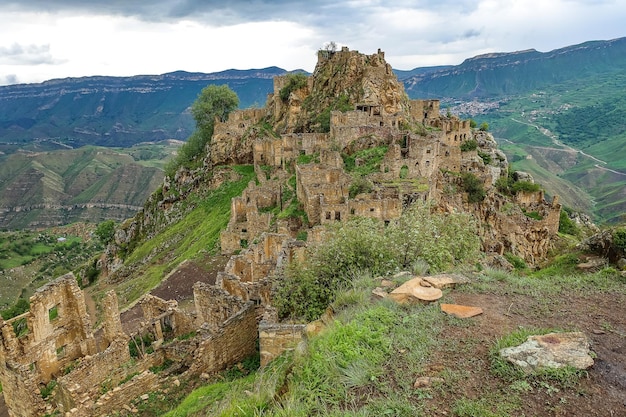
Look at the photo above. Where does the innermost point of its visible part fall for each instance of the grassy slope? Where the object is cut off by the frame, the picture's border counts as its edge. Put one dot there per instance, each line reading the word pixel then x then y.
pixel 585 115
pixel 197 232
pixel 366 362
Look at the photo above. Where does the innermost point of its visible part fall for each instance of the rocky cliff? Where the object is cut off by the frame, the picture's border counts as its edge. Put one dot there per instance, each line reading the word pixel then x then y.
pixel 425 156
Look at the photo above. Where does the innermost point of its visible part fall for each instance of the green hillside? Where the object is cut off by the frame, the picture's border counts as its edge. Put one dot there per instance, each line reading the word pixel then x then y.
pixel 51 188
pixel 572 138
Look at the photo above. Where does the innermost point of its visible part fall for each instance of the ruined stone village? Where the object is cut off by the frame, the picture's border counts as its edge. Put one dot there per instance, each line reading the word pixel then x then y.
pixel 92 367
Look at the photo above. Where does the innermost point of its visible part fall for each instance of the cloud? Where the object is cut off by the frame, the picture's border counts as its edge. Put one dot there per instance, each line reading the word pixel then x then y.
pixel 17 54
pixel 9 79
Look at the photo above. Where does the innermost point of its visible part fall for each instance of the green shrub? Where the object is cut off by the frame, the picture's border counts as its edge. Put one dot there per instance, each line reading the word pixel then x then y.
pixel 517 262
pixel 525 186
pixel 619 238
pixel 360 185
pixel 469 145
pixel 485 157
pixel 364 244
pixel 294 82
pixel 473 186
pixel 566 225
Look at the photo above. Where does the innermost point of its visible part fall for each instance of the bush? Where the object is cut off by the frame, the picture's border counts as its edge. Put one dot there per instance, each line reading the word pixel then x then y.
pixel 294 82
pixel 360 185
pixel 619 239
pixel 469 145
pixel 524 186
pixel 362 244
pixel 566 225
pixel 473 186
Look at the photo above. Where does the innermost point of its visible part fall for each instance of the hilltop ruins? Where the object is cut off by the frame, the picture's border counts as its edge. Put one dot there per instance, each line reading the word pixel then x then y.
pixel 51 357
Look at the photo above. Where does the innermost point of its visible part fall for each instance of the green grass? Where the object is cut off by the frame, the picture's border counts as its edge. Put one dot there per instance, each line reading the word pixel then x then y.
pixel 196 233
pixel 370 160
pixel 353 361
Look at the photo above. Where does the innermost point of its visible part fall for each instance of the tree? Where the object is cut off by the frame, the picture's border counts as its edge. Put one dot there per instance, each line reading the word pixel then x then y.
pixel 331 47
pixel 213 102
pixel 484 127
pixel 105 231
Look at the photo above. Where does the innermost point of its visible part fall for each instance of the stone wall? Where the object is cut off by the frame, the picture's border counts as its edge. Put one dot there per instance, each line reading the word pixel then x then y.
pixel 229 343
pixel 59 330
pixel 276 338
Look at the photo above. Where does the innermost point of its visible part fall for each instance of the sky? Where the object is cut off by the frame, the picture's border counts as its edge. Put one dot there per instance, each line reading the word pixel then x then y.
pixel 47 39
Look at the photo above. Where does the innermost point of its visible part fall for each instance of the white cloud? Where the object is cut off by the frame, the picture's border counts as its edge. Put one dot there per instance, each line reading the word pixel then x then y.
pixel 116 37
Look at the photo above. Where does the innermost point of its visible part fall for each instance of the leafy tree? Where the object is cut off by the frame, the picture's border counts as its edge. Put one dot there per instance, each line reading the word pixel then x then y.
pixel 215 102
pixel 105 231
pixel 484 126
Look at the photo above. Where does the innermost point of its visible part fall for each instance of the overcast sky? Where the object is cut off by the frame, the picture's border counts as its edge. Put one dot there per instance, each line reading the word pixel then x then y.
pixel 45 39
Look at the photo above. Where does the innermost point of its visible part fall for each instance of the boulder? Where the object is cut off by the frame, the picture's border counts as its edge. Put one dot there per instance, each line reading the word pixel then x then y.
pixel 412 291
pixel 552 350
pixel 460 311
pixel 427 381
pixel 379 293
pixel 445 281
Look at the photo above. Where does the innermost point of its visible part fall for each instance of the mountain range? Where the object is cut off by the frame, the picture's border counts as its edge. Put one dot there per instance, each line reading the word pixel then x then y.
pixel 527 97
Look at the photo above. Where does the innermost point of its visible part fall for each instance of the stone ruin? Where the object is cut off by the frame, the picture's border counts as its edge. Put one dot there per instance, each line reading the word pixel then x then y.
pixel 53 348
pixel 100 372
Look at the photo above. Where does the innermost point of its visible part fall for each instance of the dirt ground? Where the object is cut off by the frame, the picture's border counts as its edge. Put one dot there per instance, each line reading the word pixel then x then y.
pixel 602 317
pixel 179 286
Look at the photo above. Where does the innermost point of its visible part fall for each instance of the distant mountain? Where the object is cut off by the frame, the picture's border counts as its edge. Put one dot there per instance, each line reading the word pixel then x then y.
pixel 534 98
pixel 115 111
pixel 498 74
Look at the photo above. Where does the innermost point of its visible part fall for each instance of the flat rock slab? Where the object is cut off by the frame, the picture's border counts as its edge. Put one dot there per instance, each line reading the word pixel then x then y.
pixel 552 350
pixel 445 280
pixel 461 312
pixel 413 291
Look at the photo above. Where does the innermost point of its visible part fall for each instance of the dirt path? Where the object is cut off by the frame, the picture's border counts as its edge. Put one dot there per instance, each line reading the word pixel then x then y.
pixel 602 317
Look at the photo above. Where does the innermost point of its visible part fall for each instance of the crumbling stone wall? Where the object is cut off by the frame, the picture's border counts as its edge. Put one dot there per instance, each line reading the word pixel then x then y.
pixel 228 343
pixel 166 320
pixel 59 330
pixel 276 338
pixel 318 185
pixel 230 144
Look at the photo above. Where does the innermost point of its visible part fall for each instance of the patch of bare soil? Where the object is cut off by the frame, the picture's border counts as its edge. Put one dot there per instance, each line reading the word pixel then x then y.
pixel 179 286
pixel 601 316
pixel 3 409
